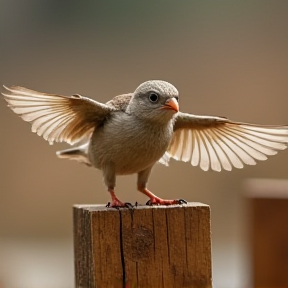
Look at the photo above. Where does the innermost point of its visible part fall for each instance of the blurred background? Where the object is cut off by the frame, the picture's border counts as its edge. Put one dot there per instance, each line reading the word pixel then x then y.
pixel 227 58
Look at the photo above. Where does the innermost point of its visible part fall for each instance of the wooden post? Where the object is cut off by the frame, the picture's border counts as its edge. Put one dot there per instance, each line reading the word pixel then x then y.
pixel 143 247
pixel 268 231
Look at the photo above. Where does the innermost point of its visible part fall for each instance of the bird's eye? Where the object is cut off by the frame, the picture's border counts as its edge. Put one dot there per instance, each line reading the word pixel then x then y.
pixel 153 97
pixel 177 98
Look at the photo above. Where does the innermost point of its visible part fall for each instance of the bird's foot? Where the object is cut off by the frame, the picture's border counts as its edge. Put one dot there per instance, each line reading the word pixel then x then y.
pixel 158 201
pixel 116 203
pixel 119 204
pixel 155 200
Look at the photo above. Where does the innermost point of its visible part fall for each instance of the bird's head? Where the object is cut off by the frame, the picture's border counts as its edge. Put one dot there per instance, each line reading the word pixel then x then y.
pixel 155 100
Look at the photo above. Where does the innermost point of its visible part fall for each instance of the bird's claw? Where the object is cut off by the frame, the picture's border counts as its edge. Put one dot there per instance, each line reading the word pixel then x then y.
pixel 128 205
pixel 182 201
pixel 159 201
pixel 118 205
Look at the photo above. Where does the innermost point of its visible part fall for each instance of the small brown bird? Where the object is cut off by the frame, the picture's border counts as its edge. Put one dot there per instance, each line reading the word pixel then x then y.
pixel 131 132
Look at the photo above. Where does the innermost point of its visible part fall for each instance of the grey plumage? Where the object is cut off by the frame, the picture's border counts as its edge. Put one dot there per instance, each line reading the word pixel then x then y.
pixel 131 132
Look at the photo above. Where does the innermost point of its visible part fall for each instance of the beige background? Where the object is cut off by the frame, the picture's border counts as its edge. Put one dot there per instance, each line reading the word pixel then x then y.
pixel 227 58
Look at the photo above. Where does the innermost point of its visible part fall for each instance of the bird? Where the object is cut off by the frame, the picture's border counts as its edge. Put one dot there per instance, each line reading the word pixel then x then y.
pixel 132 132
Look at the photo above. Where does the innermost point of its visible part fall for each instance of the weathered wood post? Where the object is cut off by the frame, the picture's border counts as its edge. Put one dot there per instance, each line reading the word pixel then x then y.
pixel 143 247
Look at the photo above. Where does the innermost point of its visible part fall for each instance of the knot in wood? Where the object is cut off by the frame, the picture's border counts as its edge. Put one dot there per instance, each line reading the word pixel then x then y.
pixel 138 243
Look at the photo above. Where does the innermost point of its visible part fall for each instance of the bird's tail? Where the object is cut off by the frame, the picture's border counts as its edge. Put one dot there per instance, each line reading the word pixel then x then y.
pixel 77 153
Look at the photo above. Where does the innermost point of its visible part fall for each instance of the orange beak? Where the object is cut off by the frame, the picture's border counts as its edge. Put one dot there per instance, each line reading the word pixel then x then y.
pixel 171 104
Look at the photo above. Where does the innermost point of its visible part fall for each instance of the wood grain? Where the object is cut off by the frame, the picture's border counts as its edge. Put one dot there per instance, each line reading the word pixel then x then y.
pixel 155 247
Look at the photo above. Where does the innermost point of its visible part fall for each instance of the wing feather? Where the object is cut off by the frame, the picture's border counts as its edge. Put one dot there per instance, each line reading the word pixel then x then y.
pixel 55 117
pixel 241 144
pixel 195 154
pixel 204 158
pixel 215 163
pixel 236 148
pixel 179 145
pixel 217 143
pixel 261 146
pixel 187 146
pixel 225 163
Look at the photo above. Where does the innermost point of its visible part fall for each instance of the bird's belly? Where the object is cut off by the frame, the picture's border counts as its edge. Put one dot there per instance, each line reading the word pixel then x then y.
pixel 128 149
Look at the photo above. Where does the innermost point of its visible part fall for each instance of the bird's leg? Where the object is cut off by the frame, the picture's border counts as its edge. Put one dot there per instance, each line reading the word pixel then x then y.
pixel 115 201
pixel 110 181
pixel 154 200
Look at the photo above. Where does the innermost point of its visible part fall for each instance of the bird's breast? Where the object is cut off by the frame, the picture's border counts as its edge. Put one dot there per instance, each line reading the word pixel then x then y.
pixel 129 143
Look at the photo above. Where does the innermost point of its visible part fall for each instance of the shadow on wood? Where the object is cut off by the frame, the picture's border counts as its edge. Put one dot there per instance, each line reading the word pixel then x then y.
pixel 143 247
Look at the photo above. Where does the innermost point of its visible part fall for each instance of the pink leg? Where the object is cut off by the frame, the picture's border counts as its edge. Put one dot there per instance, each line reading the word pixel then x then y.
pixel 154 200
pixel 115 201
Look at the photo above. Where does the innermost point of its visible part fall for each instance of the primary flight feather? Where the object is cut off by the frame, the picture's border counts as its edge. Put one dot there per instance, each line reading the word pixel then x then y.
pixel 131 132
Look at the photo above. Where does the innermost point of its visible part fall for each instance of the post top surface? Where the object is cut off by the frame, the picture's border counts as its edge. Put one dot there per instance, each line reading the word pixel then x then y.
pixel 102 207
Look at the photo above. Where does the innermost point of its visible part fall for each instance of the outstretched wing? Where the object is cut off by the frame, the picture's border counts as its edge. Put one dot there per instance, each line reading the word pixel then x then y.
pixel 218 143
pixel 54 117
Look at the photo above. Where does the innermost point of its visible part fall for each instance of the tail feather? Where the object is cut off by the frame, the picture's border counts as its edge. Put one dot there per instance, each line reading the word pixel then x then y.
pixel 77 153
